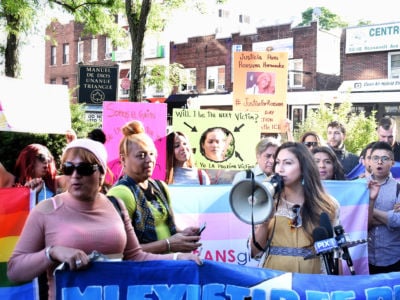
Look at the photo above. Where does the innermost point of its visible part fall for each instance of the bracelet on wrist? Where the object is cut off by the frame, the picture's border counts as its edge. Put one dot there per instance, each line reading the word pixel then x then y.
pixel 168 245
pixel 47 252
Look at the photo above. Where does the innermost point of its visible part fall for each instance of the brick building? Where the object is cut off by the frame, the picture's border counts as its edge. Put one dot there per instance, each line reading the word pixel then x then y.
pixel 208 59
pixel 314 63
pixel 323 66
pixel 66 48
pixel 370 68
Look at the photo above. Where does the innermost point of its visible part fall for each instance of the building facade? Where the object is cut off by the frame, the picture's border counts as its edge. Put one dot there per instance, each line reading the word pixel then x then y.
pixel 370 68
pixel 314 62
pixel 361 64
pixel 66 48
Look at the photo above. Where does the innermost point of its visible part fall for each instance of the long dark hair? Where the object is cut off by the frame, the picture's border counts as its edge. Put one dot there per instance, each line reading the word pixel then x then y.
pixel 169 177
pixel 338 171
pixel 316 200
pixel 25 166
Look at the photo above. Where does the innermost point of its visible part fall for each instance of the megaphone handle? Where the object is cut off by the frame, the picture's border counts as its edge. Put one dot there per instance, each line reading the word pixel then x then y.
pixel 269 240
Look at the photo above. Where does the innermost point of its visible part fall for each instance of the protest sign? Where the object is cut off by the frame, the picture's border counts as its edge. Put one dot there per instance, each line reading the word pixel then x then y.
pixel 154 118
pixel 261 86
pixel 26 106
pixel 236 128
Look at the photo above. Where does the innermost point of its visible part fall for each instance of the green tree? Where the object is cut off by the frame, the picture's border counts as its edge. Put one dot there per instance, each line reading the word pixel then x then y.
pixel 327 19
pixel 360 130
pixel 20 18
pixel 161 76
pixel 148 15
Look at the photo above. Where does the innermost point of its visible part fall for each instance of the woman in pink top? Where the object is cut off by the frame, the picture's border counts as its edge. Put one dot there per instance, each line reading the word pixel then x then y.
pixel 71 225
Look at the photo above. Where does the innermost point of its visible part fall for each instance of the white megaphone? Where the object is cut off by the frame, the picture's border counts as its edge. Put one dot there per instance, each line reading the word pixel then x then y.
pixel 252 201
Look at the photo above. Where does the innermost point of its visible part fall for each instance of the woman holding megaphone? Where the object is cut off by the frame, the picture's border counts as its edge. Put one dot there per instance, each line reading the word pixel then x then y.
pixel 286 237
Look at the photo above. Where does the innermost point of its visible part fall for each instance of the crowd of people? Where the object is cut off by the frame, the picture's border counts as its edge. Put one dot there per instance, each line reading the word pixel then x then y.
pixel 133 219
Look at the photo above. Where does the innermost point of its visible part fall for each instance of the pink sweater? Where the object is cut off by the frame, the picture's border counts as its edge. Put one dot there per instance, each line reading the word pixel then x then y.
pixel 83 225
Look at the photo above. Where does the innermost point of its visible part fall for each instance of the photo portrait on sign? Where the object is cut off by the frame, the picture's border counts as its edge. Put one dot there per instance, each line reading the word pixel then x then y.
pixel 260 83
pixel 217 144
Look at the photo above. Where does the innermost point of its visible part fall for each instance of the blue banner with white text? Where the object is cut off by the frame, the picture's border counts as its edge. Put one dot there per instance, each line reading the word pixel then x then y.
pixel 184 280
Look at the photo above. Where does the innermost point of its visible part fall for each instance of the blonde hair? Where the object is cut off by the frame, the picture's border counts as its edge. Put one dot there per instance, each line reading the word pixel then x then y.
pixel 134 133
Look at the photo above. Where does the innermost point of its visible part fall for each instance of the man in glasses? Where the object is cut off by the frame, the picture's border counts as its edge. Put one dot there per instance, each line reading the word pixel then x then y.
pixel 387 131
pixel 384 215
pixel 336 137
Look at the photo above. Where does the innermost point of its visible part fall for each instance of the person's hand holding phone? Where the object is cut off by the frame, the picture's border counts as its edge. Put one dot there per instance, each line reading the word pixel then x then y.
pixel 202 227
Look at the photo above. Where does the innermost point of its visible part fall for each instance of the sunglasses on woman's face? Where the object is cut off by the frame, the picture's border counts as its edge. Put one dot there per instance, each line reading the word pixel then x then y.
pixel 310 144
pixel 44 159
pixel 83 169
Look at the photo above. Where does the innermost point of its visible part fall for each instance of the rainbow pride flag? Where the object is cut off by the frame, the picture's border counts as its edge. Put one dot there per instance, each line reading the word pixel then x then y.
pixel 15 204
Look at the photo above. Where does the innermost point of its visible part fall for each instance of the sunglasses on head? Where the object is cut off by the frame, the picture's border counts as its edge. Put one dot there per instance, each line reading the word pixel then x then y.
pixel 43 158
pixel 296 221
pixel 310 144
pixel 83 169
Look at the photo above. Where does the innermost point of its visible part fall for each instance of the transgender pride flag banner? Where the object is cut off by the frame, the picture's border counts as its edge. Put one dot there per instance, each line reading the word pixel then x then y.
pixel 225 237
pixel 15 204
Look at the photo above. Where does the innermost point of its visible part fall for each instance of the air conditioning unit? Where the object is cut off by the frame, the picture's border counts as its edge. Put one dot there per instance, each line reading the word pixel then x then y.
pixel 221 87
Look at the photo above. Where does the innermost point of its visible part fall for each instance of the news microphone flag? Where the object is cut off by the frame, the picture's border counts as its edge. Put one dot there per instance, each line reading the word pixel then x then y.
pixel 324 246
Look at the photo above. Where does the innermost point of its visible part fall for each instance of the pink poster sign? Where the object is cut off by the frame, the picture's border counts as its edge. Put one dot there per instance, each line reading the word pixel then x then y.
pixel 154 118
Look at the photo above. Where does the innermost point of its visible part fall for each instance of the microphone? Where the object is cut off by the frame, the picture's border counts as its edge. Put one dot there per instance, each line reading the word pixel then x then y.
pixel 324 246
pixel 342 243
pixel 325 222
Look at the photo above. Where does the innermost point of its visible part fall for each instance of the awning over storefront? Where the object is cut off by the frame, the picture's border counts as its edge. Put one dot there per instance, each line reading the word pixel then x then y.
pixel 177 101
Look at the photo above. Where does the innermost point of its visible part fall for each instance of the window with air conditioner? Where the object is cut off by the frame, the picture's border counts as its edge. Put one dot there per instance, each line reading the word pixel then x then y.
pixel 295 73
pixel 394 65
pixel 215 78
pixel 188 82
pixel 109 48
pixel 65 81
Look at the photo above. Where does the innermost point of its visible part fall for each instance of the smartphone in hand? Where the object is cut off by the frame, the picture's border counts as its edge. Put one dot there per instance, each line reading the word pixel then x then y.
pixel 202 227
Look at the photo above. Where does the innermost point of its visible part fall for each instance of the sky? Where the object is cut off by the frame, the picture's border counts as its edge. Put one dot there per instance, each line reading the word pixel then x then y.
pixel 271 12
pixel 351 10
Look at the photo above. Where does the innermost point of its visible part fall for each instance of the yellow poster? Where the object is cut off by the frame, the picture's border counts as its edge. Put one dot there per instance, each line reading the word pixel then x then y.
pixel 220 139
pixel 260 85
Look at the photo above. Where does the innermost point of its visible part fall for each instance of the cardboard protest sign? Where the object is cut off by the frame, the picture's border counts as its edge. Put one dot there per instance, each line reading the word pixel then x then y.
pixel 154 118
pixel 26 106
pixel 220 139
pixel 261 86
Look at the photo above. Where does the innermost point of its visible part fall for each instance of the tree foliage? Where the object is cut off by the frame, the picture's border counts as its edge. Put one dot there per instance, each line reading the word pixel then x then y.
pixel 19 18
pixel 327 19
pixel 149 15
pixel 360 130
